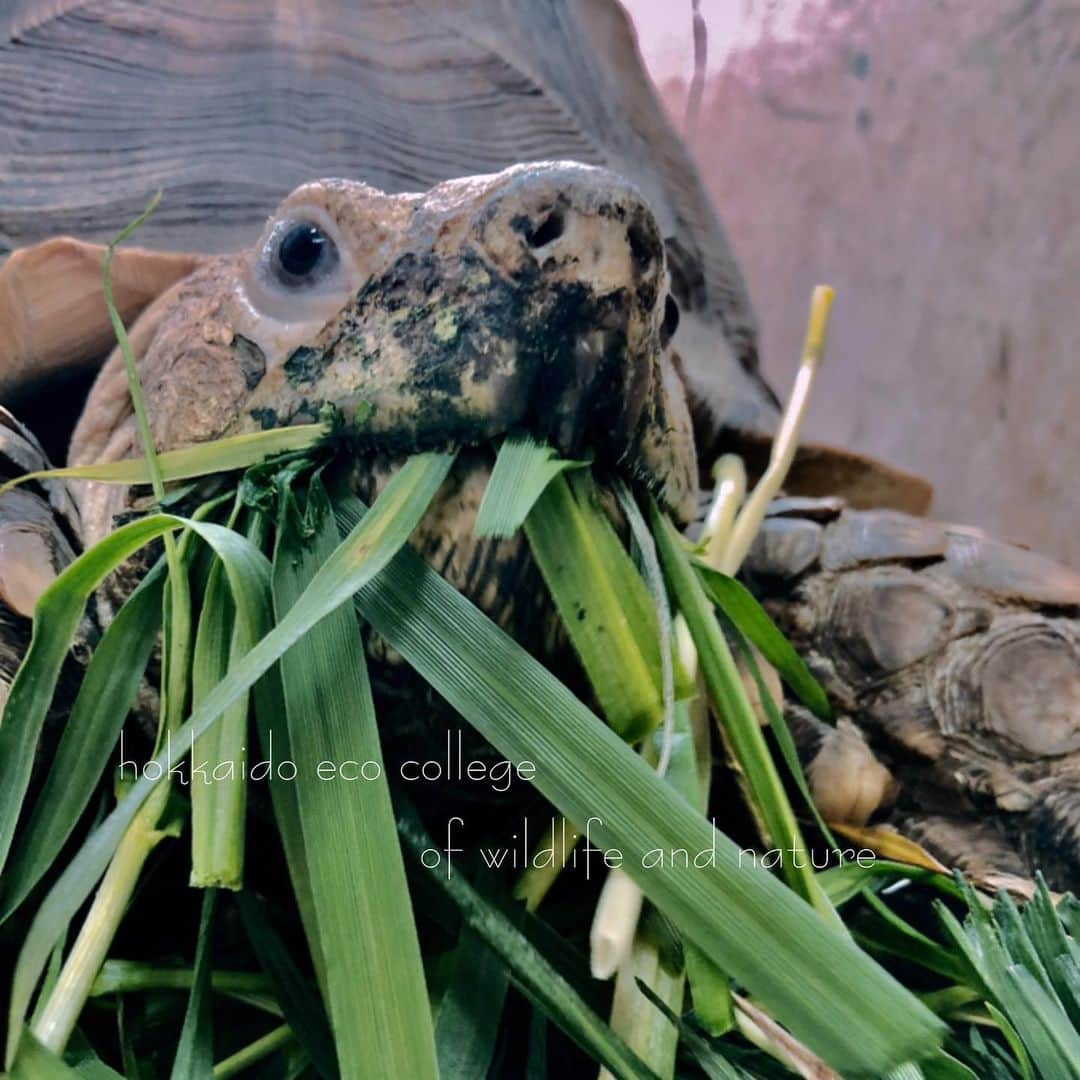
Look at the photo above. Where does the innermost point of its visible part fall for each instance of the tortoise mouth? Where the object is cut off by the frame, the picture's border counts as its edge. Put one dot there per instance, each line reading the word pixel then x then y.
pixel 431 358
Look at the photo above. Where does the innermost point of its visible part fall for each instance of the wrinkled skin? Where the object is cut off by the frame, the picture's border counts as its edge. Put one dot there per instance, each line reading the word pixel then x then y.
pixel 958 659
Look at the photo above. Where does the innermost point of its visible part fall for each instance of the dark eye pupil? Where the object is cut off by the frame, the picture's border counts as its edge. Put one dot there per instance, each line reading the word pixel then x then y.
pixel 301 249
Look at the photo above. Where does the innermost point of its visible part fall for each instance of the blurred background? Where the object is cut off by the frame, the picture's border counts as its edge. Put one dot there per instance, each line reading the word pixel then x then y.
pixel 923 156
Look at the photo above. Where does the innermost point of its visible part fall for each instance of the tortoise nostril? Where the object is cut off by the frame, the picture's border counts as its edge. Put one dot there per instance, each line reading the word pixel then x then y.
pixel 671 321
pixel 642 251
pixel 551 228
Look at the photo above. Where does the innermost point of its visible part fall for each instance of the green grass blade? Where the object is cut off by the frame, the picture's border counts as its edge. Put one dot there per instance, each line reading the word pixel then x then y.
pixel 528 967
pixel 714 1004
pixel 712 1064
pixel 378 1002
pixel 133 977
pixel 593 593
pixel 1048 936
pixel 470 1015
pixel 1040 1021
pixel 254 1052
pixel 249 576
pixel 218 775
pixel 807 973
pixel 637 596
pixel 195 1052
pixel 35 1062
pixel 744 733
pixel 84 1060
pixel 743 609
pixel 202 459
pixel 883 932
pixel 845 882
pixel 108 689
pixel 300 1005
pixel 272 724
pixel 523 468
pixel 1018 944
pixel 359 558
pixel 56 618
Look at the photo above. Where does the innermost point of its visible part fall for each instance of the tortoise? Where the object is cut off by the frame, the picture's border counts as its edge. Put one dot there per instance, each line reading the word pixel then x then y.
pixel 537 298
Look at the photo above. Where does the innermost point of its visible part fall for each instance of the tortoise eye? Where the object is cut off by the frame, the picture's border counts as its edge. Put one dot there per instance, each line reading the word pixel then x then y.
pixel 304 254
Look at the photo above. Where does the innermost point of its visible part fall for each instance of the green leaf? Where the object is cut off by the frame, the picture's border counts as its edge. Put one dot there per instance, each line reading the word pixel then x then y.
pixel 1048 937
pixel 253 1053
pixel 195 1051
pixel 531 972
pixel 359 558
pixel 744 734
pixel 104 699
pixel 741 607
pixel 82 1058
pixel 523 469
pixel 219 760
pixel 56 617
pixel 1041 1023
pixel 202 459
pixel 845 882
pixel 807 973
pixel 354 863
pixel 604 606
pixel 945 1067
pixel 300 1006
pixel 35 1062
pixel 882 931
pixel 132 976
pixel 470 1015
pixel 714 1005
pixel 711 1062
pixel 1022 1000
pixel 536 1067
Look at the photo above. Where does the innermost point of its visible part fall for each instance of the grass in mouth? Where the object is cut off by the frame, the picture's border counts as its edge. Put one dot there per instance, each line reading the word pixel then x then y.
pixel 373 958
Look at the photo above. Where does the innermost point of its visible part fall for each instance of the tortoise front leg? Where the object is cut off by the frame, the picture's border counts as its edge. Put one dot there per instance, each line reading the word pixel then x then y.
pixel 958 656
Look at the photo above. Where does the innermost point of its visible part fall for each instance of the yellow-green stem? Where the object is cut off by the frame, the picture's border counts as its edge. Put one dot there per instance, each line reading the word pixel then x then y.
pixel 57 1019
pixel 253 1052
pixel 787 438
pixel 535 882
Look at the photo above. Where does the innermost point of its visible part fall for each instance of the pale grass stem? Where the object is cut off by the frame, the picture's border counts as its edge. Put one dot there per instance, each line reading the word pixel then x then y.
pixel 786 441
pixel 57 1020
pixel 759 1028
pixel 254 1052
pixel 619 907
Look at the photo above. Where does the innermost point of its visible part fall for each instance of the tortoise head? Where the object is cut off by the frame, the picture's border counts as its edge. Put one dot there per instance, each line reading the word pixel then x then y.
pixel 533 299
